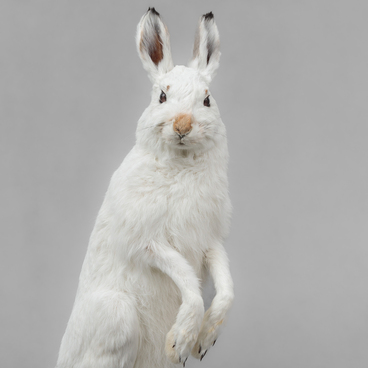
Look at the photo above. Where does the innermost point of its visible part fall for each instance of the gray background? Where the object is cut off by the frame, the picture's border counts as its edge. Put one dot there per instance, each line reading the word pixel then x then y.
pixel 292 89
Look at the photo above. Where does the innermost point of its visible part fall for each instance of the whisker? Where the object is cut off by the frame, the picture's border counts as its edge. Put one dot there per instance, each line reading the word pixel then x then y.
pixel 209 129
pixel 203 127
pixel 221 134
pixel 149 127
pixel 152 126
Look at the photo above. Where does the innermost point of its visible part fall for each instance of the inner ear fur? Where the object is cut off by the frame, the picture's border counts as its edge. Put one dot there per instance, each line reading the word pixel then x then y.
pixel 156 53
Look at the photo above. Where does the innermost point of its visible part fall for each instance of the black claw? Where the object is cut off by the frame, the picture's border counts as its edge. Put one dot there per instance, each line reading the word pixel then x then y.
pixel 174 345
pixel 184 362
pixel 179 358
pixel 214 342
pixel 203 355
pixel 200 349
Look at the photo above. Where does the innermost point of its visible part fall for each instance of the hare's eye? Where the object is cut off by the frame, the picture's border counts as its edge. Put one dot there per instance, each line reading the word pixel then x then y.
pixel 162 97
pixel 206 101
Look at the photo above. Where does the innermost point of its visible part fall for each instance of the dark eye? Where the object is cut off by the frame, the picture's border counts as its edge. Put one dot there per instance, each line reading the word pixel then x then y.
pixel 206 101
pixel 162 97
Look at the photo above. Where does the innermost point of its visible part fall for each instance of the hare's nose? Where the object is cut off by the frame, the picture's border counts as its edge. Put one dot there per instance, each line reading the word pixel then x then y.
pixel 182 124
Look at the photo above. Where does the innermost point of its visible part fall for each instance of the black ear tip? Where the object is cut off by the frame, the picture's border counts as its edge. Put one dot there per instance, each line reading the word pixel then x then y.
pixel 153 10
pixel 208 16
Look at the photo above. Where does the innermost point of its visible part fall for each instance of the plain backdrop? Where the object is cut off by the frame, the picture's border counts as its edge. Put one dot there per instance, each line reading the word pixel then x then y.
pixel 292 90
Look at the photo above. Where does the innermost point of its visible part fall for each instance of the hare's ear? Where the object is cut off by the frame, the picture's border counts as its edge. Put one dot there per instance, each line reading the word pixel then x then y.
pixel 153 44
pixel 206 52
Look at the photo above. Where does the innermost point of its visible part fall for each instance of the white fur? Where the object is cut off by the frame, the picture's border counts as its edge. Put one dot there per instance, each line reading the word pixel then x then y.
pixel 159 231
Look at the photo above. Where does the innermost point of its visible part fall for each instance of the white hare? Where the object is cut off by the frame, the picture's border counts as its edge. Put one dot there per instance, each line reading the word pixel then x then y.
pixel 162 223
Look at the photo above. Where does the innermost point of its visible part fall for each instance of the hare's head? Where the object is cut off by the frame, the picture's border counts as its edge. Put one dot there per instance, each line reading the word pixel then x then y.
pixel 182 114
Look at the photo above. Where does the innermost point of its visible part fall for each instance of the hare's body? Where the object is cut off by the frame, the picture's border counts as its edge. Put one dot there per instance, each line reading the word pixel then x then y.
pixel 124 300
pixel 158 232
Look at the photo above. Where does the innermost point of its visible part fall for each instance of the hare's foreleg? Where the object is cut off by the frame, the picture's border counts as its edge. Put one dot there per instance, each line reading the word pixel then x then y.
pixel 184 333
pixel 218 265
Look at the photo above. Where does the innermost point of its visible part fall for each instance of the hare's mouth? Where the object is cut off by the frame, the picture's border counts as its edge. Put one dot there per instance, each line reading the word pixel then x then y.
pixel 182 142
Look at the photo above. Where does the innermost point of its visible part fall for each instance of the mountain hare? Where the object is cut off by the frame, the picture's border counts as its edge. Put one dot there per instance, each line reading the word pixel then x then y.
pixel 162 223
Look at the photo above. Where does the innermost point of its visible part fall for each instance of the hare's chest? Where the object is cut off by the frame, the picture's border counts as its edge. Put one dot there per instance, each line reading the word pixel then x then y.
pixel 187 209
pixel 194 208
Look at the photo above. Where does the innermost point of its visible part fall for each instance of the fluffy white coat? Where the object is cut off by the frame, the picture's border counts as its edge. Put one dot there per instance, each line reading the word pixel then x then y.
pixel 161 226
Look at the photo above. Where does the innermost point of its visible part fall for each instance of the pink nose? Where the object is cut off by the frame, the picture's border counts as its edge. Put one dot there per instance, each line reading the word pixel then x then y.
pixel 183 124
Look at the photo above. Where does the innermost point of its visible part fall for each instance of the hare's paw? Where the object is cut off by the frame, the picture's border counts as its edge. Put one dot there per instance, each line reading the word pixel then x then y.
pixel 179 345
pixel 212 324
pixel 207 336
pixel 184 334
